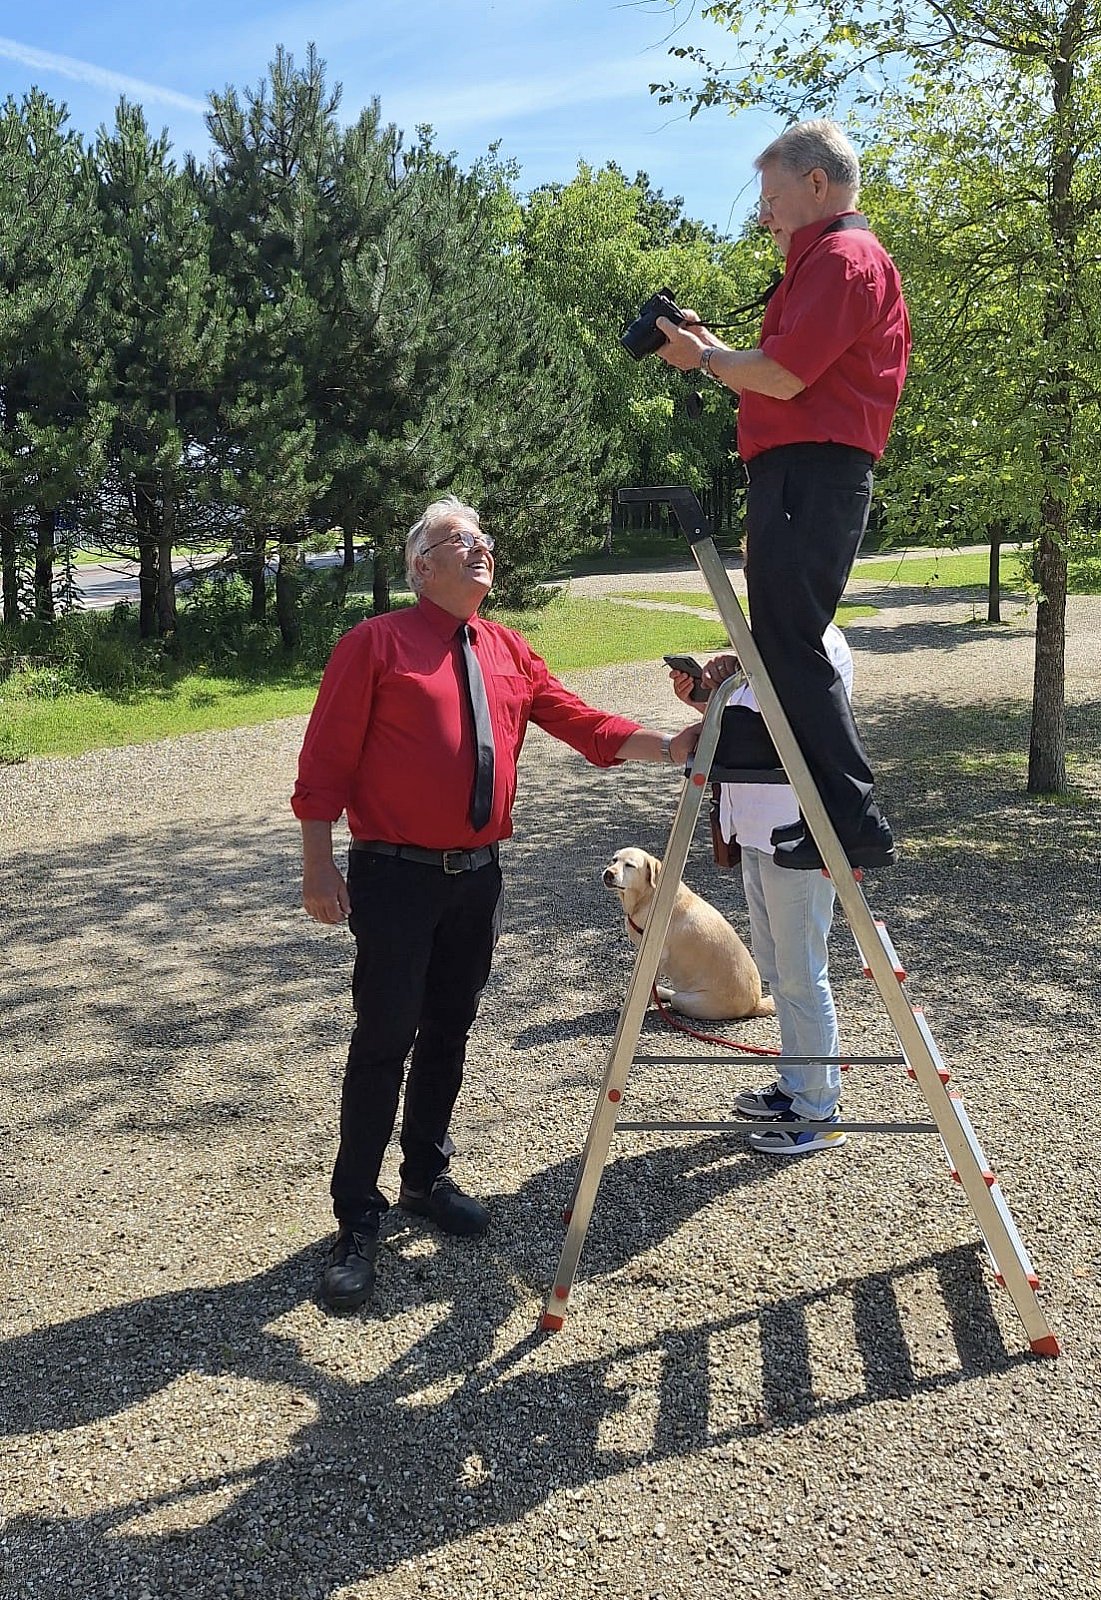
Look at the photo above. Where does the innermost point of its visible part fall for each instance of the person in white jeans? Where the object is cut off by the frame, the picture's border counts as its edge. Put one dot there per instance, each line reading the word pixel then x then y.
pixel 790 914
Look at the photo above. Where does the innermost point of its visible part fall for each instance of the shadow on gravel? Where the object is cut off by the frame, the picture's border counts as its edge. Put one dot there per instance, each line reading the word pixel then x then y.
pixel 866 638
pixel 353 1496
pixel 138 956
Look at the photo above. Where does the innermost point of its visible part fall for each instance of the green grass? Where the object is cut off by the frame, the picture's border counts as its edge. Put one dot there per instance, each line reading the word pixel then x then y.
pixel 574 635
pixel 73 723
pixel 968 571
pixel 971 570
pixel 845 613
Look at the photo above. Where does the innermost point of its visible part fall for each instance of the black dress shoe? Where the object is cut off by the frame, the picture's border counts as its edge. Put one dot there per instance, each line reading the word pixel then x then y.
pixel 349 1276
pixel 873 846
pixel 448 1207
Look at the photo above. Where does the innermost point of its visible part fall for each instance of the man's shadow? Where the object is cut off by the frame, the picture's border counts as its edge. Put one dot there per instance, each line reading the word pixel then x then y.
pixel 463 1430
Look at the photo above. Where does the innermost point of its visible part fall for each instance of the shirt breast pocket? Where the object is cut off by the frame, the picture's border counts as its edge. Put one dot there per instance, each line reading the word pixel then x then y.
pixel 510 697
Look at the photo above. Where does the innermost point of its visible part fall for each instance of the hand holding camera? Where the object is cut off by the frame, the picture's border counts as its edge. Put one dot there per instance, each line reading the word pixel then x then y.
pixel 666 329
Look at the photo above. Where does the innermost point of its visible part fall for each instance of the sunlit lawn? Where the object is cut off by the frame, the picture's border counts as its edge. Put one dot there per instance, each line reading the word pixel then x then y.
pixel 969 570
pixel 572 634
pixel 73 723
pixel 687 597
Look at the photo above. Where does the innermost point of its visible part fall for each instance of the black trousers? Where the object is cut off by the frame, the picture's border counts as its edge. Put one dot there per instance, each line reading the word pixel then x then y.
pixel 424 947
pixel 806 512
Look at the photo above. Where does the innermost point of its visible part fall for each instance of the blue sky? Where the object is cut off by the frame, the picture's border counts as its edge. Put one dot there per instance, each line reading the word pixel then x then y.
pixel 555 81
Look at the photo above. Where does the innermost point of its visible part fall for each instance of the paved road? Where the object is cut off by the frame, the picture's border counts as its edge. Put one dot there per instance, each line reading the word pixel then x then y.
pixel 103 583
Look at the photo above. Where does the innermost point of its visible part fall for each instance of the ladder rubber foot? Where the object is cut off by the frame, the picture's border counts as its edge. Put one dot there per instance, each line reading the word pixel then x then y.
pixel 550 1323
pixel 1047 1346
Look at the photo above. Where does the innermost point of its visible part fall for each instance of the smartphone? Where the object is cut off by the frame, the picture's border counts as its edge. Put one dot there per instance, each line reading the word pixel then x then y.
pixel 690 665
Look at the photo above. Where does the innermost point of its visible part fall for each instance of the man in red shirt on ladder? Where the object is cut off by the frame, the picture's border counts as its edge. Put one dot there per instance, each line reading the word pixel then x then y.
pixel 816 402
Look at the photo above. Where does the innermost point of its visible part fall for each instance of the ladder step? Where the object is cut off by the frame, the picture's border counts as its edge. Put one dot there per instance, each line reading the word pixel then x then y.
pixel 930 1044
pixel 888 949
pixel 744 1125
pixel 794 1061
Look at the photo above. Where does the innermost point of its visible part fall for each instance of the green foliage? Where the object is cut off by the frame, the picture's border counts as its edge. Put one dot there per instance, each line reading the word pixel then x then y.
pixel 990 125
pixel 598 247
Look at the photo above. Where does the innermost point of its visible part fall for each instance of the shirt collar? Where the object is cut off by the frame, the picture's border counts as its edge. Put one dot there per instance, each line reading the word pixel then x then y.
pixel 445 624
pixel 803 238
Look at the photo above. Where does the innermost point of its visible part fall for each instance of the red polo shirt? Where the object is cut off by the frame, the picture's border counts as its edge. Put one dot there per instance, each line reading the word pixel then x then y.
pixel 391 738
pixel 839 323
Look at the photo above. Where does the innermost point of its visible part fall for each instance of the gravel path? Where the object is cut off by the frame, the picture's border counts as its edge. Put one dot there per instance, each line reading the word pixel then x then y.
pixel 775 1379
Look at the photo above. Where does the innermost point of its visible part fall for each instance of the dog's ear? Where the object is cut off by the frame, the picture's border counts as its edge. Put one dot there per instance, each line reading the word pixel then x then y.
pixel 653 870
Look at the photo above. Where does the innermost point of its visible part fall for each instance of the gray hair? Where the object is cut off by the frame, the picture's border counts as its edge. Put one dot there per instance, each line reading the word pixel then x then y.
pixel 434 519
pixel 819 143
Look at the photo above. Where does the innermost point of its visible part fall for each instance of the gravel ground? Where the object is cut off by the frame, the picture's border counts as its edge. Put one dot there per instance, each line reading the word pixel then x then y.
pixel 789 1379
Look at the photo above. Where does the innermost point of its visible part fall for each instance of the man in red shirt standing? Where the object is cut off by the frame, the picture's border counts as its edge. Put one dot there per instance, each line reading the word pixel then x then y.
pixel 415 735
pixel 816 402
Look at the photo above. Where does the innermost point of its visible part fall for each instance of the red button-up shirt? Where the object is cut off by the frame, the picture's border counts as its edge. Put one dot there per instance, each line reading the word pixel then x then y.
pixel 839 323
pixel 391 738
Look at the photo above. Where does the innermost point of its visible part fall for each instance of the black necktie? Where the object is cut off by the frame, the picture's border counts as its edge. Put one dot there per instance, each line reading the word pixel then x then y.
pixel 481 798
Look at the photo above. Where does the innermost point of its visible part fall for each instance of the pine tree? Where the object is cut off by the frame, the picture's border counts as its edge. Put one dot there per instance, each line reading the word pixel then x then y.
pixel 168 318
pixel 52 421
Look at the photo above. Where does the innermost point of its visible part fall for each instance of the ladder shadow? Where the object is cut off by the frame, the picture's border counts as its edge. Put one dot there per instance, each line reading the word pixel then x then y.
pixel 790 1394
pixel 573 1408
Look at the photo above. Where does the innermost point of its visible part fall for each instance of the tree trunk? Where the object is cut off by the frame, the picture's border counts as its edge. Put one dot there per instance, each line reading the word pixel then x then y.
pixel 1047 765
pixel 994 582
pixel 166 587
pixel 45 530
pixel 288 589
pixel 348 527
pixel 9 568
pixel 258 577
pixel 380 581
pixel 145 512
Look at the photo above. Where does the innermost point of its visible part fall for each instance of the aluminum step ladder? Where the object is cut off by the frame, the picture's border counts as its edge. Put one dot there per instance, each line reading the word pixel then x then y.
pixel 919 1053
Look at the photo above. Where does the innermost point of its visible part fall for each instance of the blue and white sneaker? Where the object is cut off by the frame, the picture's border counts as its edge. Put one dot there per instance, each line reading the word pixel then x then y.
pixel 801 1140
pixel 762 1104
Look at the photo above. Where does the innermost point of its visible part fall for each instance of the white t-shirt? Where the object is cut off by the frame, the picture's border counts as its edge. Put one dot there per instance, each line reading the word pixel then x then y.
pixel 749 812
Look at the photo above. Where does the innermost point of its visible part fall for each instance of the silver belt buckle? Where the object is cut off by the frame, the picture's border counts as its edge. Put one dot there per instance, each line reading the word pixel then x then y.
pixel 454 855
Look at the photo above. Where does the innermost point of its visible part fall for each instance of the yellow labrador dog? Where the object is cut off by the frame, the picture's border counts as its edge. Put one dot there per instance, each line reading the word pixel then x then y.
pixel 711 974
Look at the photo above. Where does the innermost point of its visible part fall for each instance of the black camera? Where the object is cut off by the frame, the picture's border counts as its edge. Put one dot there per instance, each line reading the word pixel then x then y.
pixel 644 336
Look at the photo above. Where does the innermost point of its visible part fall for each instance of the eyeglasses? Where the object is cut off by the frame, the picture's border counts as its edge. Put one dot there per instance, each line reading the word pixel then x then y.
pixel 464 537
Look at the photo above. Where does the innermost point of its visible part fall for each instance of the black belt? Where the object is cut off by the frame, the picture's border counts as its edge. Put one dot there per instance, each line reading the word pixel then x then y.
pixel 451 861
pixel 786 454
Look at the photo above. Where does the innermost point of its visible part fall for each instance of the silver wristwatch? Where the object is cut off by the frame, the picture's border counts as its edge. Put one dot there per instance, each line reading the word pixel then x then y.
pixel 705 364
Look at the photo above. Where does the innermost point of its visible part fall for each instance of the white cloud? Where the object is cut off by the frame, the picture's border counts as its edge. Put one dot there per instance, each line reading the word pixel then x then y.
pixel 47 61
pixel 451 108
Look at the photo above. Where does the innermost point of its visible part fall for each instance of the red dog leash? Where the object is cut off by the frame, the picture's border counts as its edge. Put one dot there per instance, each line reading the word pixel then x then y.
pixel 682 1027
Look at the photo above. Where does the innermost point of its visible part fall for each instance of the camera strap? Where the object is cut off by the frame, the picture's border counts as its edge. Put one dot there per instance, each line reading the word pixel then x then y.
pixel 852 219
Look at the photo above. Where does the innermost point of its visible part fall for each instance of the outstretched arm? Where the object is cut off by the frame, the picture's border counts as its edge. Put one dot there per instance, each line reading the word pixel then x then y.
pixel 649 745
